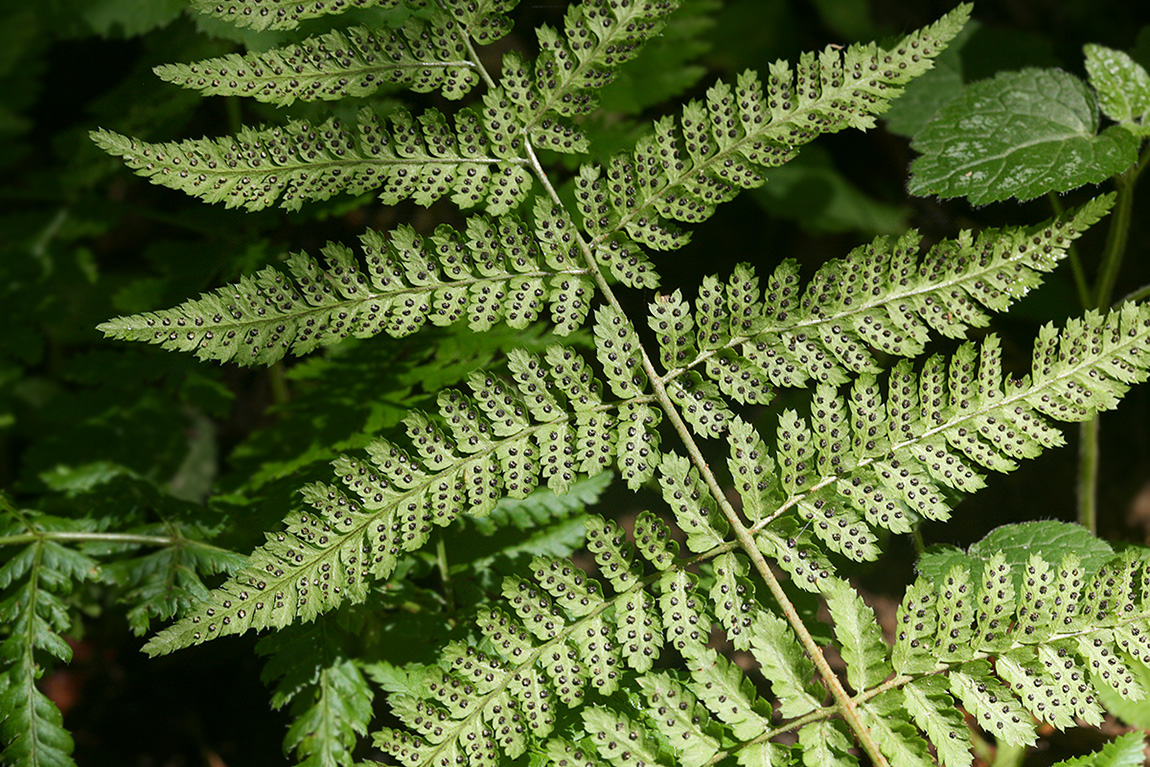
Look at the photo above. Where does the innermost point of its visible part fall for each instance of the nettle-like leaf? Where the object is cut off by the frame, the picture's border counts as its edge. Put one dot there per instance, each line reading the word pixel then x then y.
pixel 1019 134
pixel 1123 87
pixel 723 145
pixel 882 296
pixel 421 55
pixel 865 460
pixel 475 160
pixel 496 270
pixel 549 423
pixel 34 581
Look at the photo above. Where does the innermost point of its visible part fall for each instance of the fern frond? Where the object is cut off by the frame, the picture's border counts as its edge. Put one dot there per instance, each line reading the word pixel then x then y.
pixel 882 296
pixel 329 697
pixel 717 148
pixel 485 20
pixel 280 14
pixel 496 270
pixel 421 55
pixel 551 424
pixel 422 158
pixel 863 461
pixel 563 637
pixel 33 613
pixel 598 37
pixel 1054 631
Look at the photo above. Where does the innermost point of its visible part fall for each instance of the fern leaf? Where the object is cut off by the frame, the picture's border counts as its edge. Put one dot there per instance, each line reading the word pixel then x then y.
pixel 785 666
pixel 730 695
pixel 598 37
pixel 279 14
pixel 940 428
pixel 422 55
pixel 33 582
pixel 682 719
pixel 481 447
pixel 890 726
pixel 557 642
pixel 1127 750
pixel 717 148
pixel 881 296
pixel 1036 672
pixel 329 697
pixel 405 282
pixel 485 20
pixel 419 158
pixel 859 637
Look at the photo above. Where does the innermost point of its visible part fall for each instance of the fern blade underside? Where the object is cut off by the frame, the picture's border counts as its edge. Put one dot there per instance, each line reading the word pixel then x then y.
pixel 566 663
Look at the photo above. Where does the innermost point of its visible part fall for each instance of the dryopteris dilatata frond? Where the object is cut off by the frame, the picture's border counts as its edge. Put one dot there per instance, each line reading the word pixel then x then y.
pixel 500 698
pixel 862 459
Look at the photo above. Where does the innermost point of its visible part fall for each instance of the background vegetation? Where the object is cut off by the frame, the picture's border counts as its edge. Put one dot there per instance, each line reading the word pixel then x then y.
pixel 97 430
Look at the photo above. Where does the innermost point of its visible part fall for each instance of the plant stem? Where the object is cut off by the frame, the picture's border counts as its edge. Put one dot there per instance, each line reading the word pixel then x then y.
pixel 746 541
pixel 445 573
pixel 84 537
pixel 1088 432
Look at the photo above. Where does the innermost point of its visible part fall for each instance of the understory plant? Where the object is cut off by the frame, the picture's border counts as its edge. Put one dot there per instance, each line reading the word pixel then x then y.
pixel 779 426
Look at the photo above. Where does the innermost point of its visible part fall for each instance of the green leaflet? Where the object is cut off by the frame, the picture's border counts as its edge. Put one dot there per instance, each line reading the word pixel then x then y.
pixel 33 584
pixel 722 144
pixel 859 636
pixel 482 446
pixel 496 270
pixel 1124 751
pixel 1019 134
pixel 422 158
pixel 424 56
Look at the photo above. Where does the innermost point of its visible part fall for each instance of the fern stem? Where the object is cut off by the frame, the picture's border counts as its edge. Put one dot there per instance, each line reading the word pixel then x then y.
pixel 83 537
pixel 445 574
pixel 471 52
pixel 742 535
pixel 1087 486
pixel 1135 295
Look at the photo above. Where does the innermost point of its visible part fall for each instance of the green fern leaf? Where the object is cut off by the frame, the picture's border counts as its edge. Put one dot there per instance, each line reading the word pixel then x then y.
pixel 859 637
pixel 422 55
pixel 279 14
pixel 33 582
pixel 717 148
pixel 1127 750
pixel 405 282
pixel 481 447
pixel 955 418
pixel 419 158
pixel 729 694
pixel 881 296
pixel 598 37
pixel 785 666
pixel 682 719
pixel 560 640
pixel 329 697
